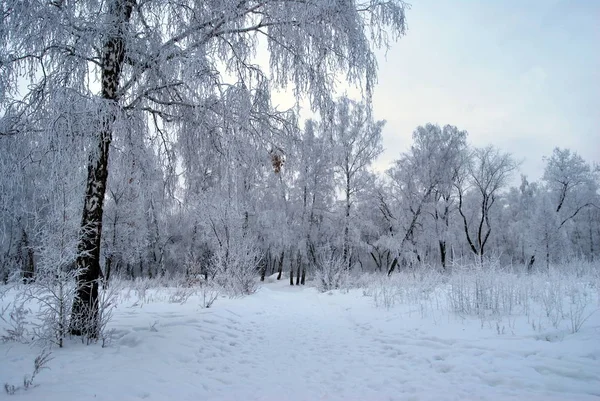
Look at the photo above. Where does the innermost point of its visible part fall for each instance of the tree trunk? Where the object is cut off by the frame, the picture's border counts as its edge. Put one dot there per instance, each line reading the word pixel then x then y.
pixel 263 268
pixel 85 305
pixel 530 264
pixel 346 251
pixel 27 260
pixel 107 268
pixel 393 266
pixel 591 258
pixel 84 317
pixel 298 275
pixel 280 266
pixel 443 253
pixel 298 267
pixel 303 279
pixel 377 261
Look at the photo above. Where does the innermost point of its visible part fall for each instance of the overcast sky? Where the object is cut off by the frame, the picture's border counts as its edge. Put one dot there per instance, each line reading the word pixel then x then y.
pixel 521 75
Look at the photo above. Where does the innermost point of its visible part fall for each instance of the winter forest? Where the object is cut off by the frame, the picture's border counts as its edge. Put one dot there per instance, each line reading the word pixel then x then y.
pixel 159 208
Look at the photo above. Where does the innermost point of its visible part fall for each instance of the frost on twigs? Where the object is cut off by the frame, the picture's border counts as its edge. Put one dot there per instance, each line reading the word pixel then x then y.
pixel 209 294
pixel 40 363
pixel 235 267
pixel 53 291
pixel 331 271
pixel 181 294
pixel 16 316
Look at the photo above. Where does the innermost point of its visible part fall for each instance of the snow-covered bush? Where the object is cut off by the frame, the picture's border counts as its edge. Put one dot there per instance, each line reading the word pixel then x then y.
pixel 141 286
pixel 209 293
pixel 53 291
pixel 331 271
pixel 108 299
pixel 41 310
pixel 16 316
pixel 579 307
pixel 181 294
pixel 415 287
pixel 53 287
pixel 195 282
pixel 484 290
pixel 562 297
pixel 551 296
pixel 235 266
pixel 384 292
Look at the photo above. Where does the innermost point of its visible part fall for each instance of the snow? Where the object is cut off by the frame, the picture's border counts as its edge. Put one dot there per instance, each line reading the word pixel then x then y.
pixel 294 343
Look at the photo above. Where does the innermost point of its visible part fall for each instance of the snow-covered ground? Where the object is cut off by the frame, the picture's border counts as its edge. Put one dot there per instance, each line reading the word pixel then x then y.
pixel 294 343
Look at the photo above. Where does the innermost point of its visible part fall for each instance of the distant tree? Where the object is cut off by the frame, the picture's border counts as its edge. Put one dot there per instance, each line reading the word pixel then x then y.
pixel 518 226
pixel 487 172
pixel 423 181
pixel 571 186
pixel 572 181
pixel 314 191
pixel 356 139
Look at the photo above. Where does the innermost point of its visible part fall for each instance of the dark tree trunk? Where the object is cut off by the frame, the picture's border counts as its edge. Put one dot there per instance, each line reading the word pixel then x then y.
pixel 346 249
pixel 84 317
pixel 303 279
pixel 85 305
pixel 376 260
pixel 291 273
pixel 393 266
pixel 263 268
pixel 312 256
pixel 272 265
pixel 107 269
pixel 443 253
pixel 298 267
pixel 280 266
pixel 28 263
pixel 530 264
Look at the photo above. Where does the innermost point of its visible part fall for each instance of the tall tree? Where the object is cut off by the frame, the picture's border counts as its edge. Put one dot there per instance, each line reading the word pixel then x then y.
pixel 572 187
pixel 357 143
pixel 314 189
pixel 488 171
pixel 423 180
pixel 572 181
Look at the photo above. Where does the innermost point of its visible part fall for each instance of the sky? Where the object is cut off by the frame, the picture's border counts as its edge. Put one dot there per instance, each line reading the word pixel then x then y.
pixel 523 76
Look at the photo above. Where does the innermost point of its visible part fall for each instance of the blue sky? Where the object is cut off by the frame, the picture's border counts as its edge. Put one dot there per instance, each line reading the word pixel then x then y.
pixel 521 75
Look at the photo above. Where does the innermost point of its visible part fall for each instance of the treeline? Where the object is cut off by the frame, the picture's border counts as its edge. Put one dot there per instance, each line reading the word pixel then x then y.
pixel 292 203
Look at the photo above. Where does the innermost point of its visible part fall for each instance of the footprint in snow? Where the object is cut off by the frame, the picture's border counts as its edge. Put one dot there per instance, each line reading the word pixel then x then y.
pixel 130 341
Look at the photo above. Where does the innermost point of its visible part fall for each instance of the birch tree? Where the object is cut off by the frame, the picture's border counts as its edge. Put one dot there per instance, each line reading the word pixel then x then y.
pixel 356 138
pixel 488 172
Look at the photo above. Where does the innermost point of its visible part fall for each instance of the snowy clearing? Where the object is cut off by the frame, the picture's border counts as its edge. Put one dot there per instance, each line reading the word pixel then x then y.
pixel 294 343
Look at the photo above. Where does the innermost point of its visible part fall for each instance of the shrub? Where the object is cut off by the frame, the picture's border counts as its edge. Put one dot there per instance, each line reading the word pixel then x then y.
pixel 331 271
